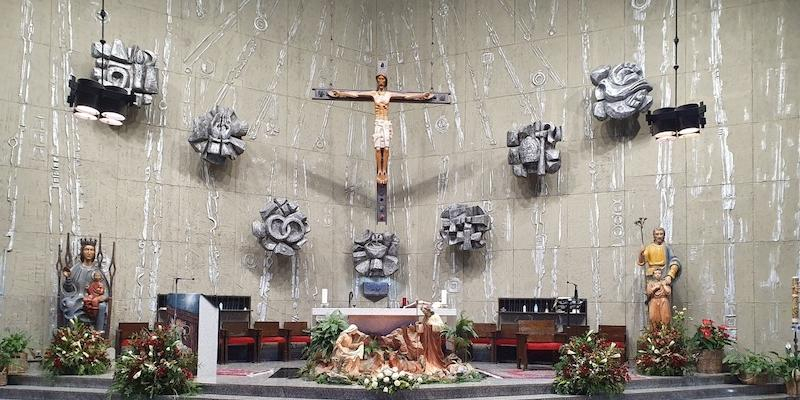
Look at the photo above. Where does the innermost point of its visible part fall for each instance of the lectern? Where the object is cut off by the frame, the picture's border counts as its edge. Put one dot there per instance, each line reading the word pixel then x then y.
pixel 198 321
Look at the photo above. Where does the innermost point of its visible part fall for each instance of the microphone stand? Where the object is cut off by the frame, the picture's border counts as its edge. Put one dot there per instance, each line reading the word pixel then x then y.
pixel 175 308
pixel 575 302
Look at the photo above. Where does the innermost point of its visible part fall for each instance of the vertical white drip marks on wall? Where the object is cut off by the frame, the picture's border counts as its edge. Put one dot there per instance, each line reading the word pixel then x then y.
pixel 639 17
pixel 209 40
pixel 594 234
pixel 441 41
pixel 728 190
pixel 665 186
pixel 60 66
pixel 772 283
pixel 212 212
pixel 295 286
pixel 17 142
pixel 540 244
pixel 312 71
pixel 523 98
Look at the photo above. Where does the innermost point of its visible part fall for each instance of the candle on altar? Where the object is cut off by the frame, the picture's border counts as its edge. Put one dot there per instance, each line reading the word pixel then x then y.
pixel 444 297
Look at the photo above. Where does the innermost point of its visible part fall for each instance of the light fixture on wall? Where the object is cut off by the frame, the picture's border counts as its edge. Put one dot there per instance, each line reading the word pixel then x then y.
pixel 91 100
pixel 684 121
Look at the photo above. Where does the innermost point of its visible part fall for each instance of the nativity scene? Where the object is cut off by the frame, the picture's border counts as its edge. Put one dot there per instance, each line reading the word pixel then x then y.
pixel 478 241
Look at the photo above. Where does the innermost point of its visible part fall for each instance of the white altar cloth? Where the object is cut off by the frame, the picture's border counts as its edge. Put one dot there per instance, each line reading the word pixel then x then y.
pixel 381 321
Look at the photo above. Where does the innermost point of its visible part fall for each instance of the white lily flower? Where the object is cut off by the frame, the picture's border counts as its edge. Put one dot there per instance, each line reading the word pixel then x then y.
pixel 397 383
pixel 395 376
pixel 385 379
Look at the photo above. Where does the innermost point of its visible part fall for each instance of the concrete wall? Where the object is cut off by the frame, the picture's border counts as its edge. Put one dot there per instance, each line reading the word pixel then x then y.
pixel 728 199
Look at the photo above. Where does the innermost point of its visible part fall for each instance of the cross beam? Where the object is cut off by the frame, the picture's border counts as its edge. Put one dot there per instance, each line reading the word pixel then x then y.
pixel 381 98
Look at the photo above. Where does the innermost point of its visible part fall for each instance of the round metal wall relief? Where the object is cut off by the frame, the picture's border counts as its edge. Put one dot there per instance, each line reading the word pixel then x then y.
pixel 442 124
pixel 217 135
pixel 464 226
pixel 282 228
pixel 620 91
pixel 375 254
pixel 538 78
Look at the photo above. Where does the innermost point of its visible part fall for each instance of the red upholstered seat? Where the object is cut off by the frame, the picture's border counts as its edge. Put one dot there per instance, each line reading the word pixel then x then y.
pixel 300 339
pixel 273 339
pixel 506 342
pixel 544 346
pixel 239 340
pixel 481 340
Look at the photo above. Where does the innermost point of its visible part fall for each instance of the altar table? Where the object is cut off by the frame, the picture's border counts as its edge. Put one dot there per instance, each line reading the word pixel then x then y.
pixel 381 321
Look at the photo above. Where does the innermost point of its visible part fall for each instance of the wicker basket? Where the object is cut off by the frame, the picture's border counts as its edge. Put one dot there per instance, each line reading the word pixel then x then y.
pixel 752 379
pixel 19 364
pixel 792 387
pixel 710 361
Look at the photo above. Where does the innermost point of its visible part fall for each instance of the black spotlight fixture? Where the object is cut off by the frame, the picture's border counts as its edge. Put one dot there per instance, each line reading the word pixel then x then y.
pixel 91 100
pixel 668 123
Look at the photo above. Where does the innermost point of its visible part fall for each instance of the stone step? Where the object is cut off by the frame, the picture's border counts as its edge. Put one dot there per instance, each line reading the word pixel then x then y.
pixel 717 391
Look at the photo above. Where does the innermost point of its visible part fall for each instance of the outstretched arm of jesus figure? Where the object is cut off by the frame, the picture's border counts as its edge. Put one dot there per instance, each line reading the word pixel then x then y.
pixel 413 96
pixel 350 93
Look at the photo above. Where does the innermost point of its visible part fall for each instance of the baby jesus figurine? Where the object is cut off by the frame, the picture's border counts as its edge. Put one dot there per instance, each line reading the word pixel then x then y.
pixel 95 294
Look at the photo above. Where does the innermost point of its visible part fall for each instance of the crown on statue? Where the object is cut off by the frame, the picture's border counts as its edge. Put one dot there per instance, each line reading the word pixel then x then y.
pixel 383 68
pixel 89 242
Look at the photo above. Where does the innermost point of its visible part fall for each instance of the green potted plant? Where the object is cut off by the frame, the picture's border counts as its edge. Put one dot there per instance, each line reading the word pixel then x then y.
pixel 590 365
pixel 709 341
pixel 461 335
pixel 788 368
pixel 751 368
pixel 323 340
pixel 14 344
pixel 5 361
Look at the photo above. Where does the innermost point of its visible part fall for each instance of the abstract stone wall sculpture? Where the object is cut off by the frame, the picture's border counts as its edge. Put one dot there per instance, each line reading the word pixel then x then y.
pixel 130 68
pixel 282 228
pixel 533 149
pixel 217 135
pixel 375 254
pixel 621 92
pixel 464 226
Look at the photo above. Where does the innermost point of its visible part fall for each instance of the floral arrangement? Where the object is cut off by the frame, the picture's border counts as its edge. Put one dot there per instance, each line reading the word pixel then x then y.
pixel 590 365
pixel 76 349
pixel 711 337
pixel 390 380
pixel 663 350
pixel 157 364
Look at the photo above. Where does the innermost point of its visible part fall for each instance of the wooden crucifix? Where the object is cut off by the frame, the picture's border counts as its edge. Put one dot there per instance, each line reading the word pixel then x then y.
pixel 383 126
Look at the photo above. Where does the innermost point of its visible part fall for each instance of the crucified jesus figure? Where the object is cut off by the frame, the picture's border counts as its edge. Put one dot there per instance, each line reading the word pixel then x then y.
pixel 383 127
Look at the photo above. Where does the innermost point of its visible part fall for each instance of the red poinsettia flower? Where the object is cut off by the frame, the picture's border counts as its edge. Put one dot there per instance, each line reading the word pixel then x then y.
pixel 723 327
pixel 707 322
